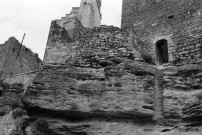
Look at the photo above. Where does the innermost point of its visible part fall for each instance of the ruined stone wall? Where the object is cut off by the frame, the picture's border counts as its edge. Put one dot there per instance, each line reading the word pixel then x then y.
pixel 27 61
pixel 100 45
pixel 72 25
pixel 177 21
pixel 68 24
pixel 17 59
pixel 75 11
pixel 91 48
pixel 60 52
pixel 185 78
pixel 57 45
pixel 78 30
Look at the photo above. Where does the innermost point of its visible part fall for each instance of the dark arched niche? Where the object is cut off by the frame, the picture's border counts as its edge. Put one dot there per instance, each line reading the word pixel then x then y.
pixel 162 51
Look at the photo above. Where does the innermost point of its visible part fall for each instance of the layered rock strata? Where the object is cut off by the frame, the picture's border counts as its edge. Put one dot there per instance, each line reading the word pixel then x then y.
pixel 85 93
pixel 124 91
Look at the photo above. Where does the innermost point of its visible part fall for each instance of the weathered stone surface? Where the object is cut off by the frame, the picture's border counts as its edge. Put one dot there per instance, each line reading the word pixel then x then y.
pixel 91 84
pixel 111 100
pixel 175 103
pixel 193 113
pixel 58 127
pixel 11 98
pixel 178 22
pixel 14 122
pixel 17 59
pixel 92 47
pixel 81 93
pixel 24 79
pixel 124 91
pixel 7 124
pixel 18 123
pixel 187 77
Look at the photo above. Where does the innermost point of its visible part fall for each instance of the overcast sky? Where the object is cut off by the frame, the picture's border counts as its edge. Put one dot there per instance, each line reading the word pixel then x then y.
pixel 33 17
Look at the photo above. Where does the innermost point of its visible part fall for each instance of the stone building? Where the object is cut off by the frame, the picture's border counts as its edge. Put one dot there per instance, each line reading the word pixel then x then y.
pixel 17 59
pixel 170 29
pixel 70 28
pixel 88 14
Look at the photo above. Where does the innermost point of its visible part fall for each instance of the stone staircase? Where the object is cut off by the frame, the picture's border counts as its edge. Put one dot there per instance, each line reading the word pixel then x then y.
pixel 158 96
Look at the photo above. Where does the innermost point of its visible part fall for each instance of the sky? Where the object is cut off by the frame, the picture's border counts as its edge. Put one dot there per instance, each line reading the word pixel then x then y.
pixel 33 17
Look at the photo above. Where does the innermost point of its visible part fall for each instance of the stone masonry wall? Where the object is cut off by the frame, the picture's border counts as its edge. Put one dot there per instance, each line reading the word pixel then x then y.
pixel 101 45
pixel 177 21
pixel 58 37
pixel 92 48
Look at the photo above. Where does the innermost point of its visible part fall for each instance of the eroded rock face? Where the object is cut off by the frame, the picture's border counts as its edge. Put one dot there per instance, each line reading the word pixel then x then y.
pixel 7 125
pixel 185 78
pixel 117 99
pixel 57 127
pixel 14 122
pixel 83 93
pixel 73 100
pixel 183 94
pixel 11 98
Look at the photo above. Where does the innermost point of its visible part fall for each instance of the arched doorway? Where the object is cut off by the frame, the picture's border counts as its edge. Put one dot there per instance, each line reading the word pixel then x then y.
pixel 162 51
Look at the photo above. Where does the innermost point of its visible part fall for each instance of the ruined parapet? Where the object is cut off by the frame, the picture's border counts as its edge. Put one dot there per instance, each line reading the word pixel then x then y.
pixel 61 42
pixel 17 59
pixel 58 34
pixel 75 11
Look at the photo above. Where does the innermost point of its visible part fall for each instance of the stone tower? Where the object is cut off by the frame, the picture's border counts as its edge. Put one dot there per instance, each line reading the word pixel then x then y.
pixel 170 29
pixel 89 13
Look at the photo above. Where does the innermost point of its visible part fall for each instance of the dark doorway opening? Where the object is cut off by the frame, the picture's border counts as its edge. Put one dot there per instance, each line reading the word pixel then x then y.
pixel 162 51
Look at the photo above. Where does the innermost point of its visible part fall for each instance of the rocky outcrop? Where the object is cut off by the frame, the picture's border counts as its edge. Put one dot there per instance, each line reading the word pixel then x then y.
pixel 9 121
pixel 186 78
pixel 86 93
pixel 183 93
pixel 14 123
pixel 58 34
pixel 193 114
pixel 121 92
pixel 110 100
